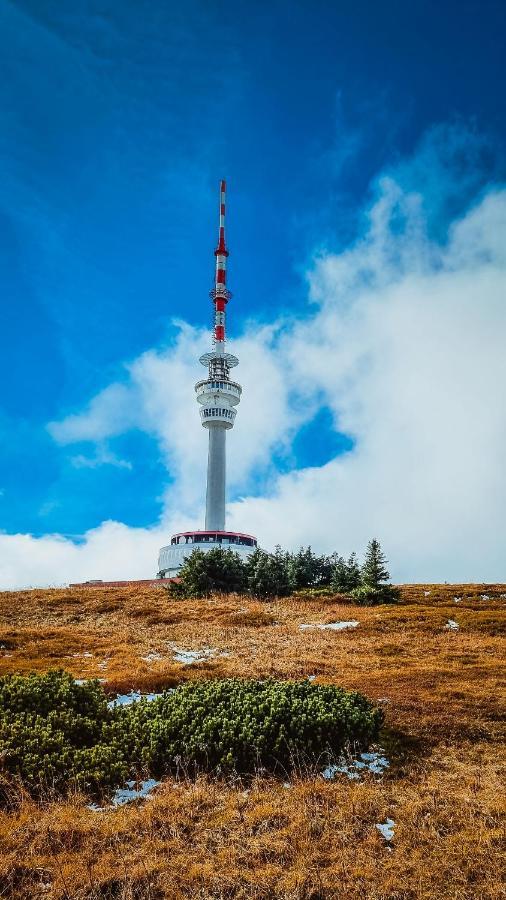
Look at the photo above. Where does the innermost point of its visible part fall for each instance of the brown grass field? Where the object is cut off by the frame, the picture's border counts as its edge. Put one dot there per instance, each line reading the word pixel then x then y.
pixel 443 696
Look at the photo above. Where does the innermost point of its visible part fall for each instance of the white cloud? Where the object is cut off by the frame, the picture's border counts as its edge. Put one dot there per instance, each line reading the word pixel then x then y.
pixel 410 358
pixel 404 343
pixel 102 457
pixel 112 551
pixel 110 413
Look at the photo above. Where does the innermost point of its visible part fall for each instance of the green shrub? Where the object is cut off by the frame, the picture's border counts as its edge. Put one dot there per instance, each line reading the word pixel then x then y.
pixel 237 725
pixel 206 572
pixel 55 734
pixel 307 570
pixel 267 574
pixel 367 595
pixel 313 592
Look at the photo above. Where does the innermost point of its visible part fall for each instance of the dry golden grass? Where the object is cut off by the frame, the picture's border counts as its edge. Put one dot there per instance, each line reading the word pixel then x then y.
pixel 443 695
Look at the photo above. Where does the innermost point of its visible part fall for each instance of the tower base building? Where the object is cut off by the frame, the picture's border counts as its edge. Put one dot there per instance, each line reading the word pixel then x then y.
pixel 182 545
pixel 218 396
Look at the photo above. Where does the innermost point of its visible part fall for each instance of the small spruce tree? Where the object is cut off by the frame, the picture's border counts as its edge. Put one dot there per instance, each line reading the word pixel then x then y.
pixel 374 571
pixel 345 575
pixel 374 577
pixel 325 568
pixel 339 581
pixel 353 570
pixel 304 568
pixel 267 574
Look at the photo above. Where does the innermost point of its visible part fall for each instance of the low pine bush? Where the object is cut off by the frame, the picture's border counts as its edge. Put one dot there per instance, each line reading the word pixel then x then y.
pixel 368 595
pixel 238 725
pixel 56 734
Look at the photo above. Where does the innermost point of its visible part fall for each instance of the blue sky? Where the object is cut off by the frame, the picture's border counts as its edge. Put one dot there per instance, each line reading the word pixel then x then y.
pixel 117 121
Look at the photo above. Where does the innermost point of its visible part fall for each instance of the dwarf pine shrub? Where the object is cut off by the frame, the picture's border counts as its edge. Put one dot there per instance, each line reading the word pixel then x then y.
pixel 57 734
pixel 368 595
pixel 236 724
pixel 54 733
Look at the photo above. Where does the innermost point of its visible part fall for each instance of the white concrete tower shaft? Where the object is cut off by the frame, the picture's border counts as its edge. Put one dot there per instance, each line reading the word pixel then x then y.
pixel 217 394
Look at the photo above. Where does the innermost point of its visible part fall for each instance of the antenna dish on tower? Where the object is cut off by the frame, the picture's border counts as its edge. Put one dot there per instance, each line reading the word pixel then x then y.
pixel 229 358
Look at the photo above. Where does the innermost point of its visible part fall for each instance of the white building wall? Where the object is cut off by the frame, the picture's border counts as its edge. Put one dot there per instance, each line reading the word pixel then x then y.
pixel 172 556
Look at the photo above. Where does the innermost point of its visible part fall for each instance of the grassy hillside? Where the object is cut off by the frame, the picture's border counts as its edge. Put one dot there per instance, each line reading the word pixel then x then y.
pixel 442 691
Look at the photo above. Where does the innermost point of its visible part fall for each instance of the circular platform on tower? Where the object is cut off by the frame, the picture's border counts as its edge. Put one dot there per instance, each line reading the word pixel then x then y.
pixel 171 557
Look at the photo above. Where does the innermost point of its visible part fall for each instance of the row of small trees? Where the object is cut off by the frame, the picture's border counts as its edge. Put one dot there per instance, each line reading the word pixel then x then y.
pixel 281 573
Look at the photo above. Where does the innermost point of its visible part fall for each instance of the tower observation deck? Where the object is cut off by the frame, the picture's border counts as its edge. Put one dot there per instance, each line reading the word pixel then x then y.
pixel 218 397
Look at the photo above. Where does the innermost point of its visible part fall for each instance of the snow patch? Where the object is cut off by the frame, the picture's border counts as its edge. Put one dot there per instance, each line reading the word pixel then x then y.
pixel 152 656
pixel 457 599
pixel 127 794
pixel 426 593
pixel 82 655
pixel 133 697
pixel 375 763
pixel 331 626
pixel 190 657
pixel 485 597
pixel 386 829
pixel 451 625
pixel 311 677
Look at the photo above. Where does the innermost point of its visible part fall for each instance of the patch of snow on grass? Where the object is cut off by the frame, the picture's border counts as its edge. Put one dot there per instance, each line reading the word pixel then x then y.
pixel 485 597
pixel 457 599
pixel 451 625
pixel 373 762
pixel 132 697
pixel 366 762
pixel 311 677
pixel 190 657
pixel 331 771
pixel 152 656
pixel 387 829
pixel 81 655
pixel 127 794
pixel 426 593
pixel 331 626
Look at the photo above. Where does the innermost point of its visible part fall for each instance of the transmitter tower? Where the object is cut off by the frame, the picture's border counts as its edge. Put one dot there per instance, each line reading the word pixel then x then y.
pixel 218 396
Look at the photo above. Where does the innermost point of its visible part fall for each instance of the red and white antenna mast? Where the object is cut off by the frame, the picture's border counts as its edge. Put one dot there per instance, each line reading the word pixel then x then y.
pixel 218 361
pixel 220 295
